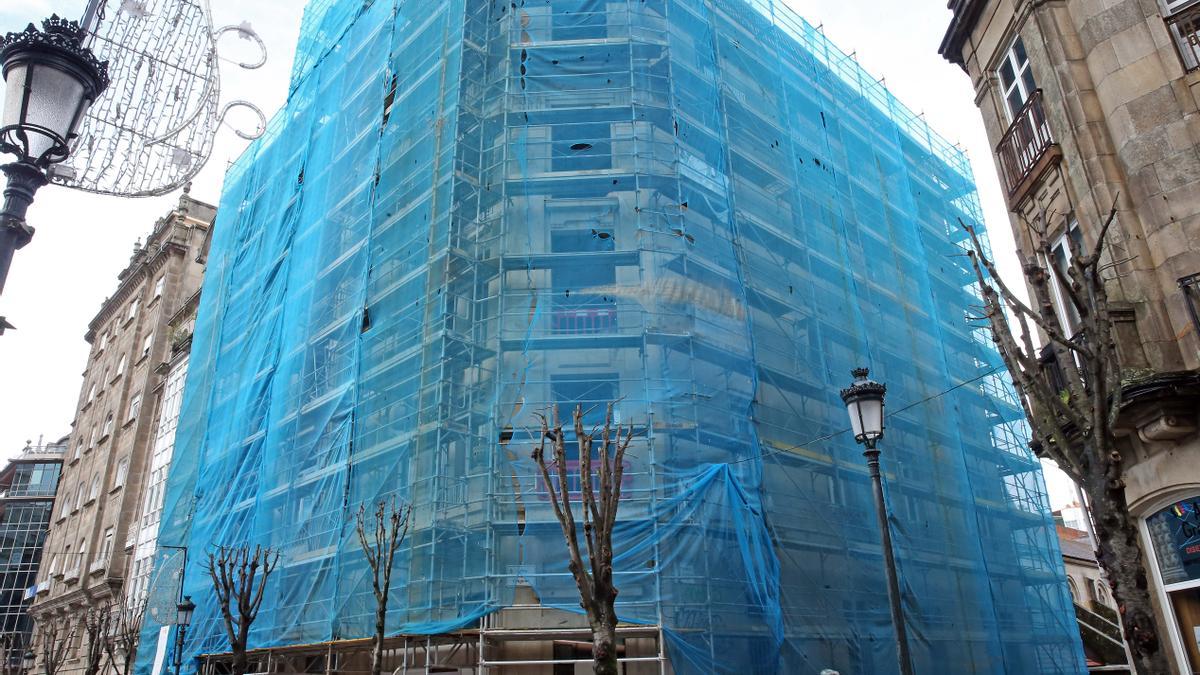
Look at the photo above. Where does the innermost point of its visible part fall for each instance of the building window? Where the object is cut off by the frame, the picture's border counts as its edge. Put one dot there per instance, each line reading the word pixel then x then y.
pixel 133 308
pixel 1174 534
pixel 103 342
pixel 91 393
pixel 121 366
pixel 78 498
pixel 95 491
pixel 135 406
pixel 158 286
pixel 1016 79
pixel 79 445
pixel 592 391
pixel 1061 252
pixel 147 343
pixel 581 147
pixel 108 426
pixel 578 20
pixel 106 549
pixel 122 473
pixel 1183 22
pixel 91 439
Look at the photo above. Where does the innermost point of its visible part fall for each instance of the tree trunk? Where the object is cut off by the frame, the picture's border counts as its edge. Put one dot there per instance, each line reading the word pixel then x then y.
pixel 377 647
pixel 604 647
pixel 1120 554
pixel 240 663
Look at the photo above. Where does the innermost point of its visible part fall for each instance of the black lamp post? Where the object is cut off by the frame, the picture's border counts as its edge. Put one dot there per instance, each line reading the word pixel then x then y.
pixel 29 661
pixel 51 80
pixel 183 619
pixel 864 403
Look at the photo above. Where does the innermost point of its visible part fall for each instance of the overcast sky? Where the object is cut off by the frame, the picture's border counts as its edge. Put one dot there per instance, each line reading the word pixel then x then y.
pixel 58 282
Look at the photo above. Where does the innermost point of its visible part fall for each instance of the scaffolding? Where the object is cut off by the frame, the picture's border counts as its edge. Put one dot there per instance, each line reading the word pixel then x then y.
pixel 468 212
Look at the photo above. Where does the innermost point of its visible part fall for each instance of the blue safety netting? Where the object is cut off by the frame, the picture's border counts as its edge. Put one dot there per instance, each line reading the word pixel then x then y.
pixel 470 211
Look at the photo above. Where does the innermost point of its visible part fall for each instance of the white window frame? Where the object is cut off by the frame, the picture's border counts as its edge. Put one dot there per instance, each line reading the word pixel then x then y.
pixel 158 286
pixel 107 429
pixel 1010 58
pixel 1164 591
pixel 122 473
pixel 106 548
pixel 135 406
pixel 1067 313
pixel 147 344
pixel 133 309
pixel 1172 7
pixel 121 366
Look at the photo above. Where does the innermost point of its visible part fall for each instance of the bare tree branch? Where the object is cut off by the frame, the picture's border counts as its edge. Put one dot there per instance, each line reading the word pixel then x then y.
pixel 599 502
pixel 239 578
pixel 1077 426
pixel 390 524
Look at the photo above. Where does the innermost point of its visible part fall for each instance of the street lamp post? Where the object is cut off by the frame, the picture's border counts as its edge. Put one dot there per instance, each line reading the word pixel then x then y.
pixel 51 80
pixel 29 661
pixel 864 403
pixel 183 619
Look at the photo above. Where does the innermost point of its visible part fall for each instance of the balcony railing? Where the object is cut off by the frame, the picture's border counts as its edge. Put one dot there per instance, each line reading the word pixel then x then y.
pixel 1184 26
pixel 1024 146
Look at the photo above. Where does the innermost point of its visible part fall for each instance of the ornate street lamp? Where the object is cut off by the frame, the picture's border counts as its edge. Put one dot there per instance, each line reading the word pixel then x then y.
pixel 51 80
pixel 29 661
pixel 864 403
pixel 183 619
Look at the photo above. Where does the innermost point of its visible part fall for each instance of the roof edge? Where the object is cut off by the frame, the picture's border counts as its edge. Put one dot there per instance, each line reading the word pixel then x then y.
pixel 966 17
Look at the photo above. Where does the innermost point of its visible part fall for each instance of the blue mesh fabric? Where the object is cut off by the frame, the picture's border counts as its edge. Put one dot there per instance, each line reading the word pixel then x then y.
pixel 470 211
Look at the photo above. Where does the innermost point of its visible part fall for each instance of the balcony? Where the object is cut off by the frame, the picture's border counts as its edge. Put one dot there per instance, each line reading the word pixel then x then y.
pixel 1027 150
pixel 1184 26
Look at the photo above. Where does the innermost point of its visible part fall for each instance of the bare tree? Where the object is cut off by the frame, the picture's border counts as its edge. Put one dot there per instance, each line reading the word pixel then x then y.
pixel 389 525
pixel 56 633
pixel 597 592
pixel 1074 409
pixel 125 632
pixel 96 623
pixel 239 576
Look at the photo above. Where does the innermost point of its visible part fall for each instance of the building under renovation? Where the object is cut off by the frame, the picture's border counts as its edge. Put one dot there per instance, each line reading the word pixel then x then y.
pixel 471 211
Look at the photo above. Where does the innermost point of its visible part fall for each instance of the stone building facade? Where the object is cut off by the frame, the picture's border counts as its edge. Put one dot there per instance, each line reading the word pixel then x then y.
pixel 94 529
pixel 1090 103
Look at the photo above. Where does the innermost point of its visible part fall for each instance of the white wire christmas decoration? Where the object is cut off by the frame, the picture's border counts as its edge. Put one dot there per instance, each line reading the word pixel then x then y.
pixel 153 129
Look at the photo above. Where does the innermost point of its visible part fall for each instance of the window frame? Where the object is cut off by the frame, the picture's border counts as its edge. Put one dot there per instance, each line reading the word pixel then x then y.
pixel 122 473
pixel 1025 89
pixel 1067 314
pixel 135 407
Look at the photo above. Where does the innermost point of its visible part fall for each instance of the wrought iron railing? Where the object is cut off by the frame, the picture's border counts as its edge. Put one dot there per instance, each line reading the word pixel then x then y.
pixel 1024 144
pixel 1184 26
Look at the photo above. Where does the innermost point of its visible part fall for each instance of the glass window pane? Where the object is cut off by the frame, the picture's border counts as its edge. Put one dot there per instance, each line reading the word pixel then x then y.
pixel 1027 80
pixel 1187 612
pixel 1006 75
pixel 1019 51
pixel 1175 534
pixel 1015 102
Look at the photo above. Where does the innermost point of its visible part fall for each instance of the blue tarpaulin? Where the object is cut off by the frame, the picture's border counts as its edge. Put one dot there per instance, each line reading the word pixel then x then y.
pixel 469 211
